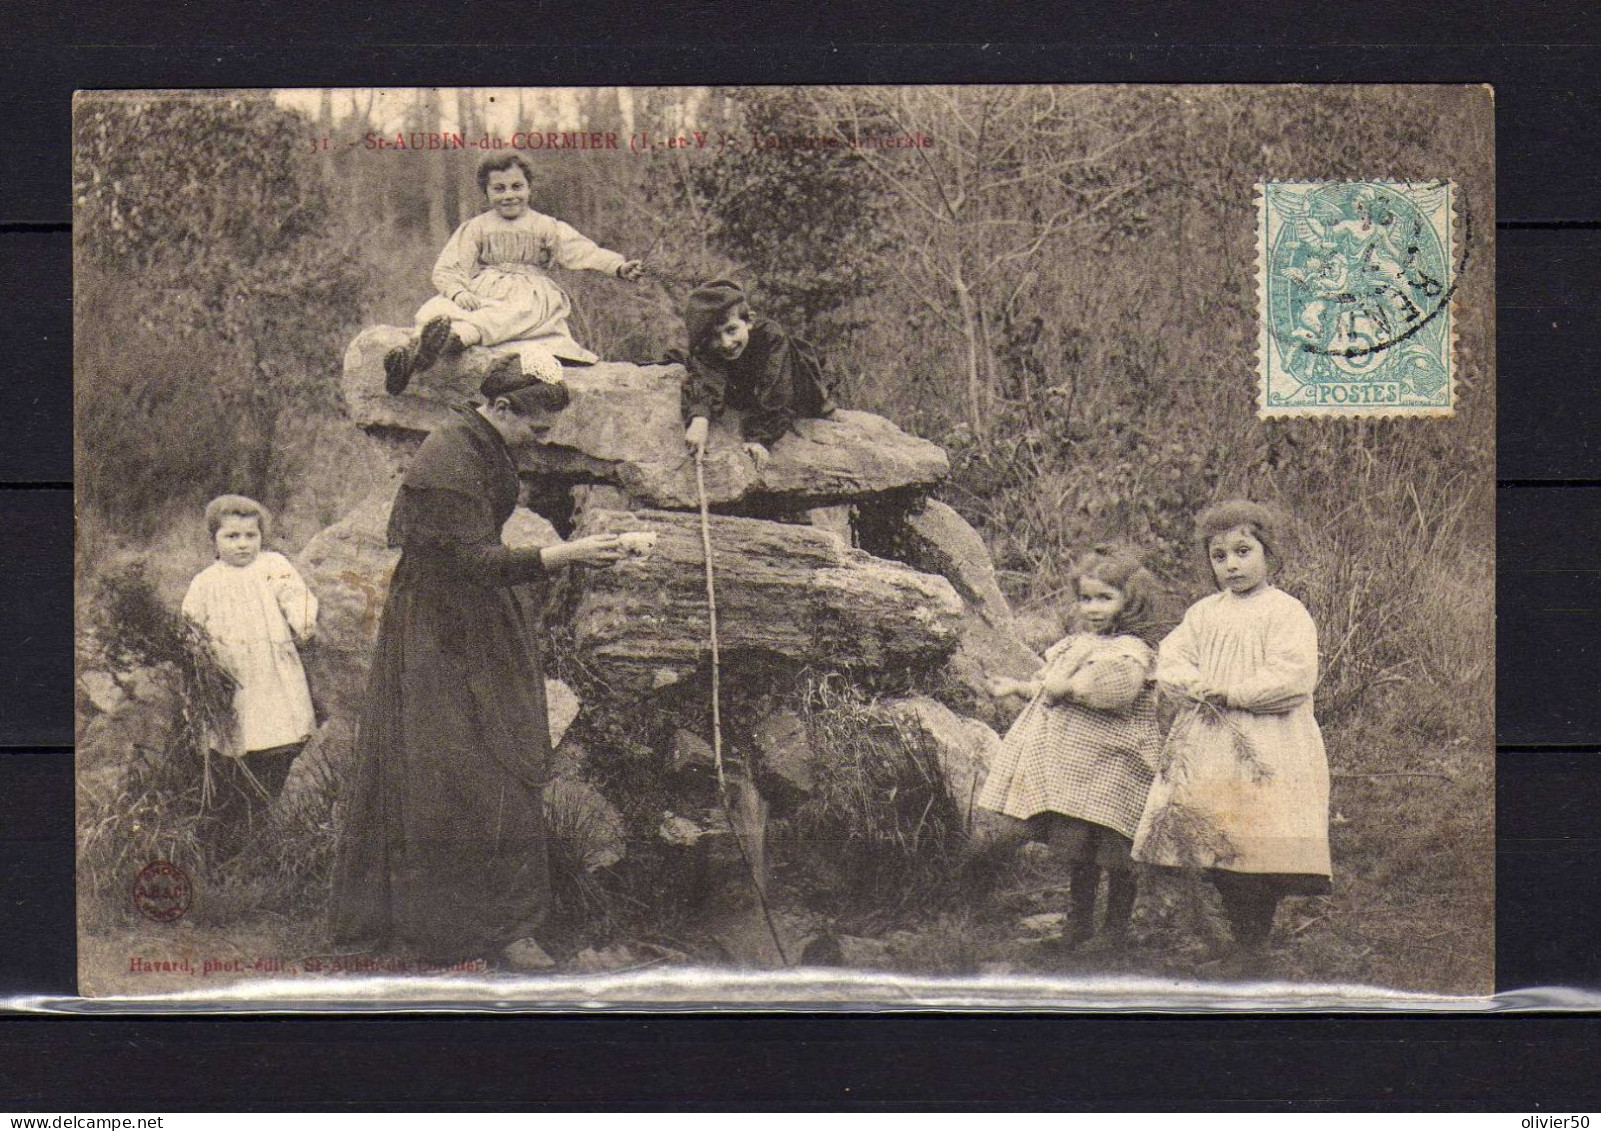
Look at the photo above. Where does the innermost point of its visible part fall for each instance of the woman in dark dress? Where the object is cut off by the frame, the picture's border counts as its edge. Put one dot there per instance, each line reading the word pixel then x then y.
pixel 443 848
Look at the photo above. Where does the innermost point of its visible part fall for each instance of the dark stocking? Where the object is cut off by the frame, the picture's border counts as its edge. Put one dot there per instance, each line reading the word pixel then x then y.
pixel 432 340
pixel 245 789
pixel 1250 904
pixel 1083 879
pixel 1120 891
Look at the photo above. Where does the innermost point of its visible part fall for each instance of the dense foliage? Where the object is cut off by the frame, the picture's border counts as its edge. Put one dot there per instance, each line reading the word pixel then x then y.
pixel 214 298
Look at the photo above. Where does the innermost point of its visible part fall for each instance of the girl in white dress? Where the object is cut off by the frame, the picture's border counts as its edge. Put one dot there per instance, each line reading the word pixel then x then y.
pixel 1077 762
pixel 253 605
pixel 1242 787
pixel 494 283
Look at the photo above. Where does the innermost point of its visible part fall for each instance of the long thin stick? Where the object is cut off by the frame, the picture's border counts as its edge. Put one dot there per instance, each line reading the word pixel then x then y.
pixel 717 716
pixel 711 609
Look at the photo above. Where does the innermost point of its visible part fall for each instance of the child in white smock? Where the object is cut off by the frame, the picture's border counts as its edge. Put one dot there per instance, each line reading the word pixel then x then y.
pixel 253 606
pixel 1242 788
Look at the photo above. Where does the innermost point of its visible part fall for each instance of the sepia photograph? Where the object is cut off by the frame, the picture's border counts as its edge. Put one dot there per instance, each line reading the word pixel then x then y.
pixel 866 546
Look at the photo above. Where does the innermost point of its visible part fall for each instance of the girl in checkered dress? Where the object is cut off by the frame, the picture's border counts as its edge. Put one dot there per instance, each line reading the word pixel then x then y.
pixel 1078 762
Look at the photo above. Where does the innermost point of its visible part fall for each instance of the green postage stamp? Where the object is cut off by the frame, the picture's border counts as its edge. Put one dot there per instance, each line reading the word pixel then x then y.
pixel 1355 283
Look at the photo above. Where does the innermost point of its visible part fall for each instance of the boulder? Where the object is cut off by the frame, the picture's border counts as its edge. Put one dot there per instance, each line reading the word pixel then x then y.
pixel 561 707
pixel 681 832
pixel 786 591
pixel 624 427
pixel 148 684
pixel 781 739
pixel 570 759
pixel 348 566
pixel 1045 923
pixel 689 751
pixel 599 496
pixel 526 529
pixel 319 773
pixel 935 539
pixel 965 747
pixel 140 727
pixel 422 407
pixel 115 750
pixel 103 691
pixel 577 811
pixel 836 520
pixel 982 653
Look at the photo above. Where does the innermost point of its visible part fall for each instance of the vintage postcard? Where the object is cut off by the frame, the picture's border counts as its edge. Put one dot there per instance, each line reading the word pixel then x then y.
pixel 1020 546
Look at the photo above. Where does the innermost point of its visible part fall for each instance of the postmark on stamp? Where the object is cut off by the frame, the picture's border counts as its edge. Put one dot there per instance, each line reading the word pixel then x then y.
pixel 1354 288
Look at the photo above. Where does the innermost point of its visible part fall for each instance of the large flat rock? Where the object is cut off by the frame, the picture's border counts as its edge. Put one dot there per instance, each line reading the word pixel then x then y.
pixel 624 428
pixel 786 591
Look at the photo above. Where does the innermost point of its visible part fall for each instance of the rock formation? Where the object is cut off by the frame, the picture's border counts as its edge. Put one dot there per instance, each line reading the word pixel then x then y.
pixel 783 592
pixel 932 537
pixel 623 428
pixel 831 558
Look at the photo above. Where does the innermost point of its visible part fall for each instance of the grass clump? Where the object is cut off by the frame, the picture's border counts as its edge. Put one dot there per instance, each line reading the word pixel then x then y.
pixel 143 781
pixel 879 832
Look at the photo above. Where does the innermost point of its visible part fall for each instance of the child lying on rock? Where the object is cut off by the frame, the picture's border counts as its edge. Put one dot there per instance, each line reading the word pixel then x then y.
pixel 741 360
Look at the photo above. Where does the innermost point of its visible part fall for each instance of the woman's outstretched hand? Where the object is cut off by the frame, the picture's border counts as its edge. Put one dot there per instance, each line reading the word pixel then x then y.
pixel 595 550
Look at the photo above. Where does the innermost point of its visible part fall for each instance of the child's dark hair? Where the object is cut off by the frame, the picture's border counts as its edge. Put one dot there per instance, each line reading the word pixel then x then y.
pixel 740 310
pixel 1121 568
pixel 236 506
pixel 495 162
pixel 1266 524
pixel 709 306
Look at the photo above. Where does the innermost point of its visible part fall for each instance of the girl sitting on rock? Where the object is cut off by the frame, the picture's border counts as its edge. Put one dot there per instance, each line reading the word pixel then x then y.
pixel 1078 762
pixel 493 279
